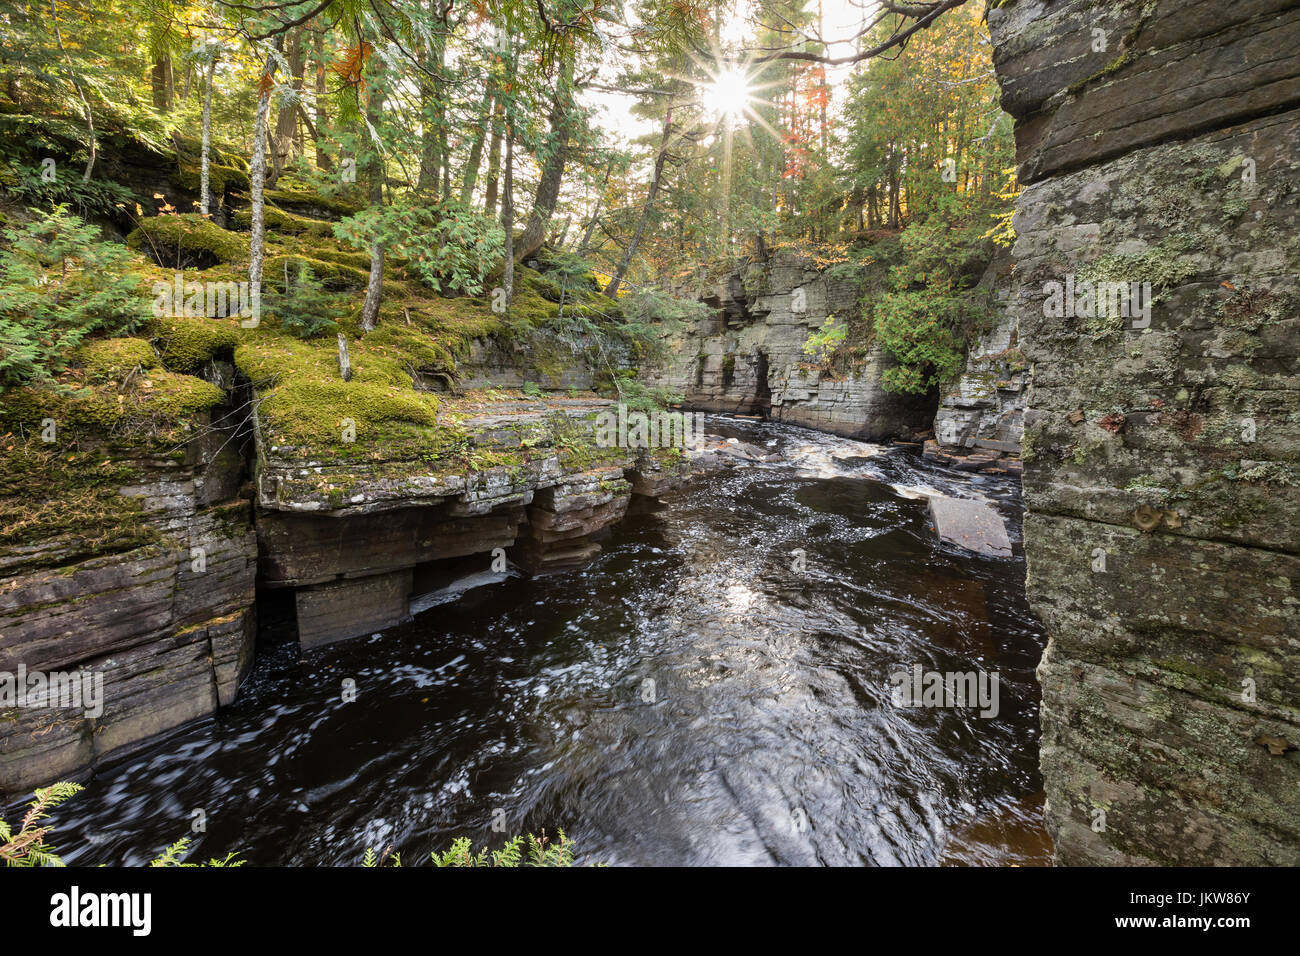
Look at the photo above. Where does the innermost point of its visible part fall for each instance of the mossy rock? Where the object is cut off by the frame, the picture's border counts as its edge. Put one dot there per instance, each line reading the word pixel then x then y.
pixel 189 150
pixel 356 260
pixel 107 359
pixel 221 178
pixel 154 410
pixel 335 276
pixel 187 241
pixel 187 343
pixel 419 348
pixel 313 411
pixel 304 401
pixel 307 203
pixel 284 223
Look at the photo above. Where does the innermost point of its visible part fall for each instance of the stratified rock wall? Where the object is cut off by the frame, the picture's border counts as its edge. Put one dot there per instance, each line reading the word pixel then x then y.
pixel 981 415
pixel 1159 142
pixel 748 358
pixel 168 627
pixel 348 534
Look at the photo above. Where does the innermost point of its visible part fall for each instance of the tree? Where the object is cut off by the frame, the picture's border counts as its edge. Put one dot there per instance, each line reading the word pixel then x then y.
pixel 257 174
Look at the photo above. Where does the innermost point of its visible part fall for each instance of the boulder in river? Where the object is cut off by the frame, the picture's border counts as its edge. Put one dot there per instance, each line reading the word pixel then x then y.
pixel 974 525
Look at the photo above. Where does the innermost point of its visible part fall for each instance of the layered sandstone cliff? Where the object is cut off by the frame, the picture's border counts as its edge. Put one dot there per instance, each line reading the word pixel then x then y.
pixel 980 419
pixel 1159 142
pixel 748 356
pixel 167 627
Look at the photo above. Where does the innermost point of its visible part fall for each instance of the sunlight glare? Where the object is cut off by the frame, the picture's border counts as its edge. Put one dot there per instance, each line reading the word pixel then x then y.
pixel 728 94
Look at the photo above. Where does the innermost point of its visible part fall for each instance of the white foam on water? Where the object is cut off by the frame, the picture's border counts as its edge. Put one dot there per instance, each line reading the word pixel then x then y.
pixel 917 492
pixel 454 591
pixel 829 459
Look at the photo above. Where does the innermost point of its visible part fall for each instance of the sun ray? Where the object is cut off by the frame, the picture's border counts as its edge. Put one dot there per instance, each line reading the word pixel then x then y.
pixel 727 95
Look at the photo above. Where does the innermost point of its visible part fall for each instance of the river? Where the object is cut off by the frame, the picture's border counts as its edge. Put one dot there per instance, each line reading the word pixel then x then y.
pixel 713 689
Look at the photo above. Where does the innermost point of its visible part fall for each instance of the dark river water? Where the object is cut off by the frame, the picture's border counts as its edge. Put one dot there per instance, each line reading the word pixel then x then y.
pixel 692 697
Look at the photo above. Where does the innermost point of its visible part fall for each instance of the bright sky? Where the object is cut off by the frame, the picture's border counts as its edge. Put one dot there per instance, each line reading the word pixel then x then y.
pixel 841 18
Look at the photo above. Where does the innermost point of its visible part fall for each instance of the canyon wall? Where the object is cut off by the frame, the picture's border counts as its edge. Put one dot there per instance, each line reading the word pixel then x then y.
pixel 356 530
pixel 981 415
pixel 1159 142
pixel 747 357
pixel 168 626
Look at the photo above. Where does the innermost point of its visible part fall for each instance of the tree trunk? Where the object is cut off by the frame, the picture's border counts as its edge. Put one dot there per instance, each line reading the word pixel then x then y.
pixel 286 121
pixel 476 150
pixel 611 290
pixel 895 212
pixel 548 187
pixel 374 288
pixel 446 168
pixel 163 82
pixel 508 212
pixel 205 161
pixel 375 285
pixel 494 161
pixel 433 139
pixel 345 363
pixel 323 160
pixel 257 181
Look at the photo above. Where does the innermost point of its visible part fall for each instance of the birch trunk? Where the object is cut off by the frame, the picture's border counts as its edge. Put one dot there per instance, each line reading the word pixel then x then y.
pixel 205 162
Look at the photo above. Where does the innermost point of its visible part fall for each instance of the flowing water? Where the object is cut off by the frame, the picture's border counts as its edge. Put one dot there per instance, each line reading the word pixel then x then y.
pixel 698 695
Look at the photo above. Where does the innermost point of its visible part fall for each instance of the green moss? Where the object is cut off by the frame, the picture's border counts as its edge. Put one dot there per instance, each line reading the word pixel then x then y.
pixel 186 343
pixel 153 410
pixel 305 198
pixel 187 239
pixel 414 342
pixel 356 260
pixel 333 275
pixel 285 223
pixel 189 150
pixel 305 401
pixel 220 178
pixel 105 359
pixel 180 397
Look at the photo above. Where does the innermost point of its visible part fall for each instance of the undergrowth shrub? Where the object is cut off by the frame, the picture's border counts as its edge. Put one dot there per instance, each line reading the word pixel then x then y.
pixel 449 246
pixel 58 284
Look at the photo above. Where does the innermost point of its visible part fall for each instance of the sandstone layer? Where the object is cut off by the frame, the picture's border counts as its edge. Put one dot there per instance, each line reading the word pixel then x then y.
pixel 748 356
pixel 1158 142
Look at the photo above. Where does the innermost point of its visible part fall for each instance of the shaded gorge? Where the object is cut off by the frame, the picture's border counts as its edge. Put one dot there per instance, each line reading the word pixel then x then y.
pixel 713 689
